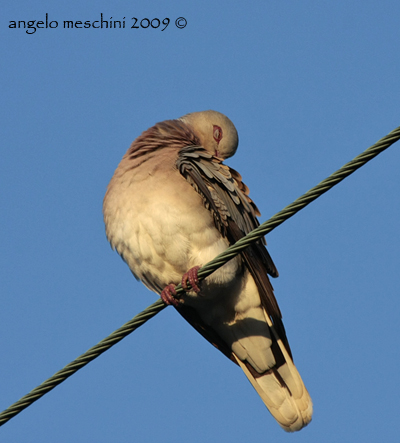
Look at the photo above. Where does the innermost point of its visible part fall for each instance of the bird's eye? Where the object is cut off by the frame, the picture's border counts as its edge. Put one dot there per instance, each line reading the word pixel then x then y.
pixel 217 133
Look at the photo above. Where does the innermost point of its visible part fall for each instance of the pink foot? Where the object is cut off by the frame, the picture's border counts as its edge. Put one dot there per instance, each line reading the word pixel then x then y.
pixel 193 279
pixel 168 295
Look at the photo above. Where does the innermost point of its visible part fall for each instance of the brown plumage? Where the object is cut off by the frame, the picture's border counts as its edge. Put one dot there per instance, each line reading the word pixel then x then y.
pixel 171 205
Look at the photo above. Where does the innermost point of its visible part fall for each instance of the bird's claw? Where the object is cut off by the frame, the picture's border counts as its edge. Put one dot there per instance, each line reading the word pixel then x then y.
pixel 168 295
pixel 192 278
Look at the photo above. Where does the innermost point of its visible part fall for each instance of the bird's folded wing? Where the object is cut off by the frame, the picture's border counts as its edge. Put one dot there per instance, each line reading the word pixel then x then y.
pixel 234 213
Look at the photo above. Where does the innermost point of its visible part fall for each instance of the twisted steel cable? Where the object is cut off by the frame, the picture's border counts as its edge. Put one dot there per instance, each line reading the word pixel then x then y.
pixel 206 270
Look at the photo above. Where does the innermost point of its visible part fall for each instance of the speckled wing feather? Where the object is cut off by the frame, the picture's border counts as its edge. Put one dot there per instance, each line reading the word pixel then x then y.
pixel 224 194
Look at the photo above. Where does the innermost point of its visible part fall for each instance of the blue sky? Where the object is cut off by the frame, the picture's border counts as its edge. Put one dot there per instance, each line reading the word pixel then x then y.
pixel 309 85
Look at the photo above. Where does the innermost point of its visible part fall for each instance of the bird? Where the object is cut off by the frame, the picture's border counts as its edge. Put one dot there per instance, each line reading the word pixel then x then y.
pixel 171 206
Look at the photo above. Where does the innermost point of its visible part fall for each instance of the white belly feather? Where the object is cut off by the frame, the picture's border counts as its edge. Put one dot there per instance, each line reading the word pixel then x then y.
pixel 161 232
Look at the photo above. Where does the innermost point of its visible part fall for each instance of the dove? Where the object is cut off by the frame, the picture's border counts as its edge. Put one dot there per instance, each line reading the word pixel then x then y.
pixel 171 206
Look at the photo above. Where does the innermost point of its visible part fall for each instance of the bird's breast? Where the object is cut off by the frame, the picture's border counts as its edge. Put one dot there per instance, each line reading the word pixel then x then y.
pixel 157 222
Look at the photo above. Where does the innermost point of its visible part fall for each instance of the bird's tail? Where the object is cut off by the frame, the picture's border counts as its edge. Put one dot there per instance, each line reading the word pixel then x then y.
pixel 283 392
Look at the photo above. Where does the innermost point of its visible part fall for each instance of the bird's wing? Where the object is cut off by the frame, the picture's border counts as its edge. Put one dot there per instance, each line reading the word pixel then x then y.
pixel 234 213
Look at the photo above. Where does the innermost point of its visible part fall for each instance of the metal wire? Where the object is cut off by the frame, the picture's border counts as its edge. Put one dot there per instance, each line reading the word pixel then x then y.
pixel 81 361
pixel 206 270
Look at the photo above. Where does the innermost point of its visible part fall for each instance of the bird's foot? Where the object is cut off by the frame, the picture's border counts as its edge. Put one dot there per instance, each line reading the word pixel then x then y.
pixel 168 295
pixel 192 278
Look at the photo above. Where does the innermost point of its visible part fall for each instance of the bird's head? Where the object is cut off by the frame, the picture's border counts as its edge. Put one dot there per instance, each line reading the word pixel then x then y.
pixel 216 133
